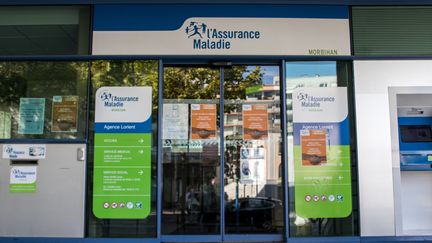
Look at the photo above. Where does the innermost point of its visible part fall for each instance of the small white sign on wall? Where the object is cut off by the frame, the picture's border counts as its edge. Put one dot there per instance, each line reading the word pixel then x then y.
pixel 24 151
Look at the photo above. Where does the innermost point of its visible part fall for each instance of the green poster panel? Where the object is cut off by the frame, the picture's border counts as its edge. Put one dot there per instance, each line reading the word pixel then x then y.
pixel 122 153
pixel 322 165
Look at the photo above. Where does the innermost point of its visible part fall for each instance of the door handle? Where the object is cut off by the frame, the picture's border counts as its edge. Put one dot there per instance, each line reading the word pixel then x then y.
pixel 81 154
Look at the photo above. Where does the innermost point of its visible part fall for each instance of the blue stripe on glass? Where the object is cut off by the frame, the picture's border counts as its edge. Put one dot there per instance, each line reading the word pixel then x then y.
pixel 123 127
pixel 339 135
pixel 171 17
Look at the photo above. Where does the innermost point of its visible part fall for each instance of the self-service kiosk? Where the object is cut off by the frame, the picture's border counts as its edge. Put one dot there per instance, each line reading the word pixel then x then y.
pixel 411 122
pixel 415 138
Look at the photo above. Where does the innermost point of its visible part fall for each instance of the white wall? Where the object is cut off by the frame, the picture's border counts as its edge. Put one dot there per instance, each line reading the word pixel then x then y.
pixel 372 79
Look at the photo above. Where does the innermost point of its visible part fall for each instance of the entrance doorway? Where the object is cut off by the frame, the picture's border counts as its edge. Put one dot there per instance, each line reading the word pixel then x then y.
pixel 222 153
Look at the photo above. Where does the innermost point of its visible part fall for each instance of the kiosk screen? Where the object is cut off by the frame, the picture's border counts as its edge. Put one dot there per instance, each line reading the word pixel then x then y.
pixel 416 133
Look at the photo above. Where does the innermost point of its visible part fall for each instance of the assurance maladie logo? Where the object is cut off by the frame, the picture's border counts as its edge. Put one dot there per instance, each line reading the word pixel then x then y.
pixel 307 100
pixel 19 174
pixel 110 100
pixel 205 37
pixel 12 153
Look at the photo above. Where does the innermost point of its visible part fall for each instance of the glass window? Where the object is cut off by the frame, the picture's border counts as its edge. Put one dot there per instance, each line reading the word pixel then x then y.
pixel 392 30
pixel 190 137
pixel 321 150
pixel 44 30
pixel 124 73
pixel 43 100
pixel 253 184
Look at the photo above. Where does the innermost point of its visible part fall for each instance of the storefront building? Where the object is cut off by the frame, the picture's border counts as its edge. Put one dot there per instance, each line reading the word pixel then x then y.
pixel 246 121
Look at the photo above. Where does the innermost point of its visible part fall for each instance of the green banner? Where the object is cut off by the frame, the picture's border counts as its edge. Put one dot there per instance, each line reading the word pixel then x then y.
pixel 122 176
pixel 122 153
pixel 322 164
pixel 22 188
pixel 324 191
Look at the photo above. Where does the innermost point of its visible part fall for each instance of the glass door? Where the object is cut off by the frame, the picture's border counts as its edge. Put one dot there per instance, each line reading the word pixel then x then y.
pixel 253 189
pixel 222 159
pixel 191 151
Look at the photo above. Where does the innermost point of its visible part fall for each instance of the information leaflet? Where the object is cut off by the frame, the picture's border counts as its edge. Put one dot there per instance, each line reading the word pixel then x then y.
pixel 203 121
pixel 65 114
pixel 255 122
pixel 31 116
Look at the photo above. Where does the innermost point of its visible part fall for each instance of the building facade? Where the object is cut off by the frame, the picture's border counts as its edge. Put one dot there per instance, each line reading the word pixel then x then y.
pixel 215 121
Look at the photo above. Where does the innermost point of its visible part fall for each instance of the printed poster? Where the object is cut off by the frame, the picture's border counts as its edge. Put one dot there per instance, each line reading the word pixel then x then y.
pixel 203 121
pixel 313 147
pixel 65 114
pixel 31 116
pixel 322 164
pixel 252 166
pixel 255 122
pixel 175 121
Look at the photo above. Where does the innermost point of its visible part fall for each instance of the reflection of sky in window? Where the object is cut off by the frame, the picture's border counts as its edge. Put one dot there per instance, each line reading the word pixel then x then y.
pixel 269 72
pixel 310 69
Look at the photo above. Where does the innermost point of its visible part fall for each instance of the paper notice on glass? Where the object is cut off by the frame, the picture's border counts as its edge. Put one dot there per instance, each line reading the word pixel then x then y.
pixel 65 114
pixel 252 166
pixel 314 147
pixel 203 121
pixel 31 116
pixel 175 121
pixel 255 122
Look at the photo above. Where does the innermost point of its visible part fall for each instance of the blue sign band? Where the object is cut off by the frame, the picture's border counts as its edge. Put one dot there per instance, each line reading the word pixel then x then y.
pixel 150 17
pixel 123 127
pixel 338 132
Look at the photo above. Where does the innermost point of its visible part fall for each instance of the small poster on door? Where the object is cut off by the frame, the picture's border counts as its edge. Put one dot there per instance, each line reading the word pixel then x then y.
pixel 313 146
pixel 203 121
pixel 252 166
pixel 255 122
pixel 64 114
pixel 175 125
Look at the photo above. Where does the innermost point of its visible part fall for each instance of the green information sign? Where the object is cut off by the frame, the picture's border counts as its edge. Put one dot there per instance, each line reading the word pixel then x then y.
pixel 322 165
pixel 122 153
